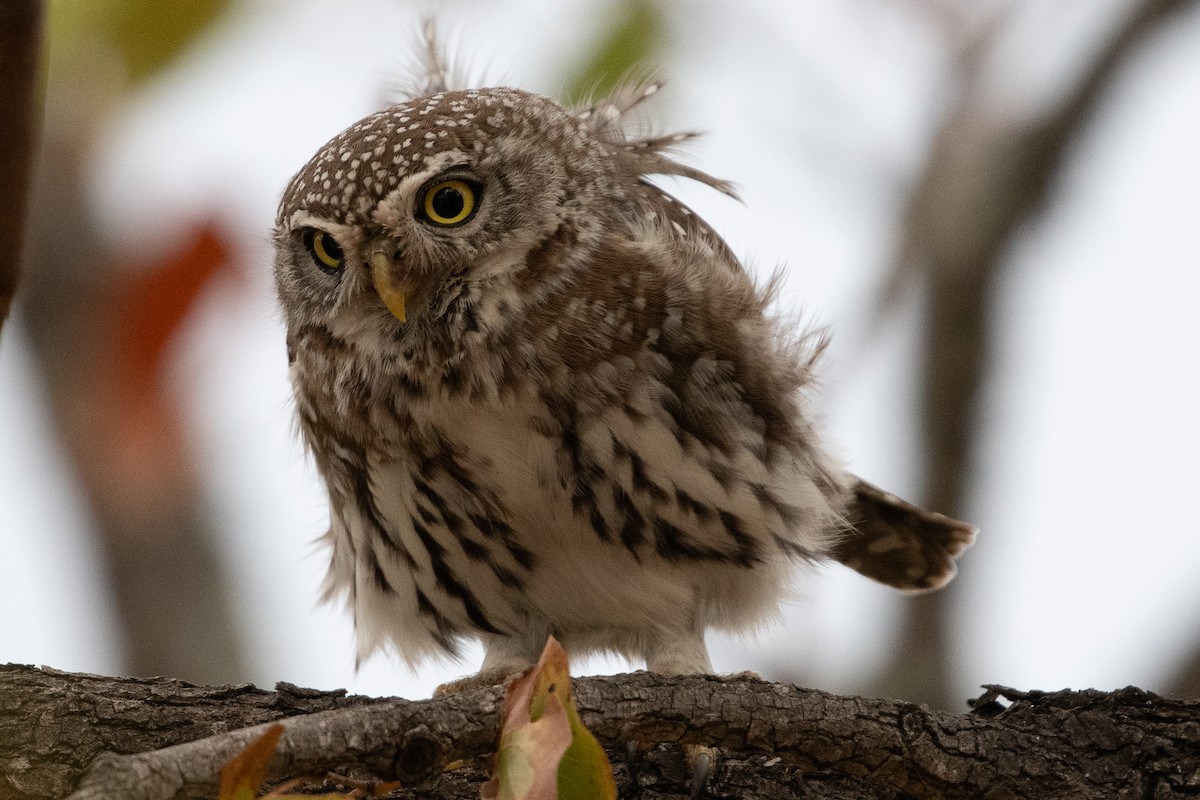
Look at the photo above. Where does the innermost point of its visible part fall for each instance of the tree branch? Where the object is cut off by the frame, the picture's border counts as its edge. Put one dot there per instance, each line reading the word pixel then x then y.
pixel 778 740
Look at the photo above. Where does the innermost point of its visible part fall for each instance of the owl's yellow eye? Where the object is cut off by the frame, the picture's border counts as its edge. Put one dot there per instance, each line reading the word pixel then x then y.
pixel 324 249
pixel 450 202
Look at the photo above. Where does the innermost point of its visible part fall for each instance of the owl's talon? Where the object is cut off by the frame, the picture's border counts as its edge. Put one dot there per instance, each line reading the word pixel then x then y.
pixel 632 755
pixel 702 761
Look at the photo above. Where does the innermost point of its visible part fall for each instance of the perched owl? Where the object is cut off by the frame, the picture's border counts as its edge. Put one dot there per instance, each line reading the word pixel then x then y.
pixel 546 398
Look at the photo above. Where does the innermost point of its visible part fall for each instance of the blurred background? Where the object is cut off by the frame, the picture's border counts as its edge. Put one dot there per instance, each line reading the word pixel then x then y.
pixel 993 206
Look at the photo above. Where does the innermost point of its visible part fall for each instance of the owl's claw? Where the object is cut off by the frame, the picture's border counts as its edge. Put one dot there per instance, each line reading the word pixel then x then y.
pixel 702 761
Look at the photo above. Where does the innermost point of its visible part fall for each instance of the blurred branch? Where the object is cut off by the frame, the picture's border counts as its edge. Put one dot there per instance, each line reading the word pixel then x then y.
pixel 20 46
pixel 986 173
pixel 100 328
pixel 106 738
pixel 1186 682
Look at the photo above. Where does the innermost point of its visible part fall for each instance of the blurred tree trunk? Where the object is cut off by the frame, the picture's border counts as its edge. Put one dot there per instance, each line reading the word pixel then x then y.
pixel 98 344
pixel 20 47
pixel 986 173
pixel 1186 682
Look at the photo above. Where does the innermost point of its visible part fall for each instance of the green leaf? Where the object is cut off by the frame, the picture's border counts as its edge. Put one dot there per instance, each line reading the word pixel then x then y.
pixel 584 773
pixel 545 752
pixel 631 40
pixel 148 34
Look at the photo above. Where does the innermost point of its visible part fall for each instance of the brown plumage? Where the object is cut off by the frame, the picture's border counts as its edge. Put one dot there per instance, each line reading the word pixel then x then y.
pixel 546 398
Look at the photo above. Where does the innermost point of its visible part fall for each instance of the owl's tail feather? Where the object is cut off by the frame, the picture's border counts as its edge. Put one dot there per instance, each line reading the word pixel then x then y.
pixel 899 544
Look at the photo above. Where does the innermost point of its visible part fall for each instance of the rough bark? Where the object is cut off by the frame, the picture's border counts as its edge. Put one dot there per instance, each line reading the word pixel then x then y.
pixel 103 738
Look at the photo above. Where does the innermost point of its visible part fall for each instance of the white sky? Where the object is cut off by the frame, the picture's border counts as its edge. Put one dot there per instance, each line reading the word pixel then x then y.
pixel 1084 574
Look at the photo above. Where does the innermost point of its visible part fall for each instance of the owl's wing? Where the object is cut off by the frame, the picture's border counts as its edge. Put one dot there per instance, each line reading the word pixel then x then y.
pixel 897 543
pixel 687 222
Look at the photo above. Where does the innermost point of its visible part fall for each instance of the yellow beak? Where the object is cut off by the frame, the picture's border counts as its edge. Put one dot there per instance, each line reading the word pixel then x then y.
pixel 391 294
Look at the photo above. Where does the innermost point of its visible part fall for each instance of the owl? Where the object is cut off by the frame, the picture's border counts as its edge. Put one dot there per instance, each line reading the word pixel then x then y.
pixel 546 398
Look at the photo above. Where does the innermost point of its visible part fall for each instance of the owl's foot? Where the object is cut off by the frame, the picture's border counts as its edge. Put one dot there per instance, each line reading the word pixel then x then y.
pixel 504 658
pixel 484 679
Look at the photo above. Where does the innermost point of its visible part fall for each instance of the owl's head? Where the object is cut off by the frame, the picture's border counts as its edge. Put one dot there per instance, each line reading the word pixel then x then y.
pixel 424 198
pixel 422 218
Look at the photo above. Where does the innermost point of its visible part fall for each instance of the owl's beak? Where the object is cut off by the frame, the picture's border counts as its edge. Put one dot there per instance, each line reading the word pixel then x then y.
pixel 392 294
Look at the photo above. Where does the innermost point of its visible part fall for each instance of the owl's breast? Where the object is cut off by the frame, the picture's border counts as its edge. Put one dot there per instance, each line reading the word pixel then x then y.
pixel 514 515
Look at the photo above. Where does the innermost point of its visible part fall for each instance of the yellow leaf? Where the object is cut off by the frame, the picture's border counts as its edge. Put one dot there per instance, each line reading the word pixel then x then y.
pixel 534 735
pixel 634 34
pixel 529 755
pixel 545 752
pixel 242 777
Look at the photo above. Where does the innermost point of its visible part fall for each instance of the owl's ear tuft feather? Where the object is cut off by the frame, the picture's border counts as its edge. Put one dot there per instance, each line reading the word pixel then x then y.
pixel 649 156
pixel 433 71
pixel 610 115
pixel 609 120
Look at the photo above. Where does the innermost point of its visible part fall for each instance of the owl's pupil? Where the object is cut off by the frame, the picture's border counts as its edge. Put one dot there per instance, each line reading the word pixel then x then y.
pixel 331 247
pixel 448 203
